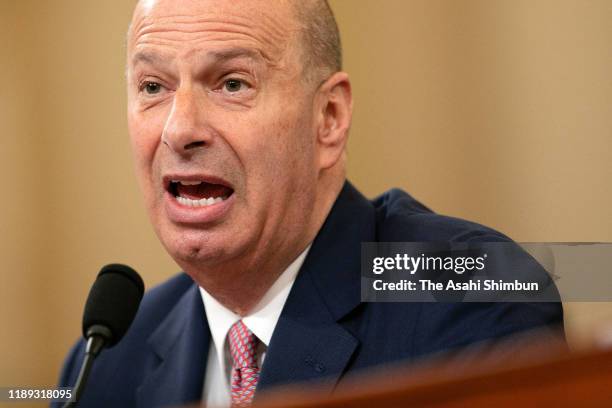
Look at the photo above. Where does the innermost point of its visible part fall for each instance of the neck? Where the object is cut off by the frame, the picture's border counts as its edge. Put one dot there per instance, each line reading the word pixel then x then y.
pixel 240 286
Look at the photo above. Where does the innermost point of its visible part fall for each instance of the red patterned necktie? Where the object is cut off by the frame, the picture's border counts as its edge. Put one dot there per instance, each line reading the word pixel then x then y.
pixel 245 373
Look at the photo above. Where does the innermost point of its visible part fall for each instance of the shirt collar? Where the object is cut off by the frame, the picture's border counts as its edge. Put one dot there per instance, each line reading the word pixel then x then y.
pixel 262 320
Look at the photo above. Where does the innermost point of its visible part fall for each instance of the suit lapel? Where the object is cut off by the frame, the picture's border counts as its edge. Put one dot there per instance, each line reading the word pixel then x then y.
pixel 180 344
pixel 309 342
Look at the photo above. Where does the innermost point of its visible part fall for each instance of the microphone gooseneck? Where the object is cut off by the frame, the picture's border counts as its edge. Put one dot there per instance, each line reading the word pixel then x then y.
pixel 109 311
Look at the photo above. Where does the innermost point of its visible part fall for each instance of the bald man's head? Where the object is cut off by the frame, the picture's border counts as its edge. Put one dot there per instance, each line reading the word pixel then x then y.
pixel 238 122
pixel 319 35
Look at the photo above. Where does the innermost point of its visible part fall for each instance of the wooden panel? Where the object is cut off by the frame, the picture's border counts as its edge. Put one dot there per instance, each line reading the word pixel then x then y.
pixel 543 375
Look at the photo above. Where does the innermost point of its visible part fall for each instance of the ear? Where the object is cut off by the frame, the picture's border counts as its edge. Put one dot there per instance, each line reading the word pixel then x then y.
pixel 334 111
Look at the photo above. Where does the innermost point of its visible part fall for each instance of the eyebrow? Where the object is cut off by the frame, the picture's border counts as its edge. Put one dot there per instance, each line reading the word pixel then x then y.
pixel 237 52
pixel 148 58
pixel 218 56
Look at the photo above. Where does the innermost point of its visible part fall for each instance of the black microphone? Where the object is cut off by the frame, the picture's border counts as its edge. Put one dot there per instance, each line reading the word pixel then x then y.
pixel 110 309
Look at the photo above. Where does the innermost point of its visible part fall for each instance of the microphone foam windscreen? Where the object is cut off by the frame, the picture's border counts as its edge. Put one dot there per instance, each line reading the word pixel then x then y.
pixel 113 300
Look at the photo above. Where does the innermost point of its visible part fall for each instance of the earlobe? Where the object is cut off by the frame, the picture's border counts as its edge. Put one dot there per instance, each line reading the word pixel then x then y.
pixel 336 113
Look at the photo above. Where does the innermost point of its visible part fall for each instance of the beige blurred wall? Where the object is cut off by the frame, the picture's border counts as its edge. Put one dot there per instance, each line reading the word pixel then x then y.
pixel 20 289
pixel 496 111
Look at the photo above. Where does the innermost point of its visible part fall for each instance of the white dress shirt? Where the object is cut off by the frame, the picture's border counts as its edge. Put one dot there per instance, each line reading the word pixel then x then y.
pixel 261 321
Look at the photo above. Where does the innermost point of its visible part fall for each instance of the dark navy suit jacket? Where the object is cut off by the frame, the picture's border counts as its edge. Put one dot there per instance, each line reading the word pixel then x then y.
pixel 324 331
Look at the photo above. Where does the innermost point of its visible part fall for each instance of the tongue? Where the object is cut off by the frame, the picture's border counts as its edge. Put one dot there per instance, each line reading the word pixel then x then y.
pixel 203 190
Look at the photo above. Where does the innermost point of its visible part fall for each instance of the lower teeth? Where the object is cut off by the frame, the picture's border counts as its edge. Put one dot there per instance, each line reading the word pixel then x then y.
pixel 199 203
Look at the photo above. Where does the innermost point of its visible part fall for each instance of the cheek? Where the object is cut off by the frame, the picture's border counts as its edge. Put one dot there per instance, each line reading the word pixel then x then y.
pixel 145 136
pixel 284 161
pixel 293 139
pixel 144 143
pixel 267 155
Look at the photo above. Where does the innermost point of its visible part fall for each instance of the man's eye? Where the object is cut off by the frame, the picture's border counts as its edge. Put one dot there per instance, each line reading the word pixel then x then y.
pixel 152 88
pixel 233 85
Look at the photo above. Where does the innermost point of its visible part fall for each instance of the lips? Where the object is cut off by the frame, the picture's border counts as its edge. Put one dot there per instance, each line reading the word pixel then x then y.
pixel 199 193
pixel 197 199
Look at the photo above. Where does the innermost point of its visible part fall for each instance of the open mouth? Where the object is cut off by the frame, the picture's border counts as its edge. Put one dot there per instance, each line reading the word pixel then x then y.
pixel 199 193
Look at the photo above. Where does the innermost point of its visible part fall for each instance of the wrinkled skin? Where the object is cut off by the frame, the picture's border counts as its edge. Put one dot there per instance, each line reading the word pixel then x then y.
pixel 216 91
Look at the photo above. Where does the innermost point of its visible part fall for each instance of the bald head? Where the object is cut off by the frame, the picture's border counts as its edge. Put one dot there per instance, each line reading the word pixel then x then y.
pixel 319 38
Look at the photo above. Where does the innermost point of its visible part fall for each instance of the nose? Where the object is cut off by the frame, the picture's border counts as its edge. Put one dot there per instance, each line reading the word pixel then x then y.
pixel 183 132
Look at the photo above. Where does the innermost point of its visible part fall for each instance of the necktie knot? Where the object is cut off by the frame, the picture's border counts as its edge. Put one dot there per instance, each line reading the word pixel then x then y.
pixel 243 344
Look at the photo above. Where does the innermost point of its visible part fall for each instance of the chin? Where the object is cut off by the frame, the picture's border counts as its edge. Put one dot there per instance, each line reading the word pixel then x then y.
pixel 197 249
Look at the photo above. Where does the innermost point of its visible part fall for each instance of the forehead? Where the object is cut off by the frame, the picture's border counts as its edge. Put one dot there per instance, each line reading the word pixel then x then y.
pixel 264 25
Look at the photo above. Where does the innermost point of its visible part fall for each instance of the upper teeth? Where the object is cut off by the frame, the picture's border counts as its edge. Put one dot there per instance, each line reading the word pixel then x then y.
pixel 188 183
pixel 199 203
